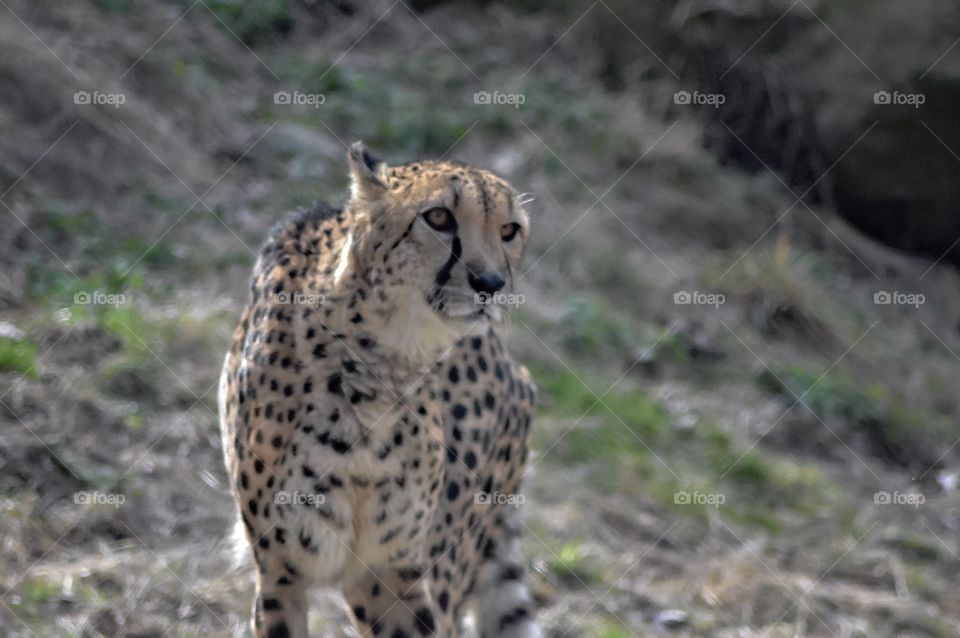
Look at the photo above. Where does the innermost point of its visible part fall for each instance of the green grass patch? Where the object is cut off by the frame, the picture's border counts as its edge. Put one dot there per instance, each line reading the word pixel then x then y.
pixel 573 565
pixel 18 355
pixel 899 429
pixel 590 327
pixel 101 259
pixel 628 441
pixel 253 21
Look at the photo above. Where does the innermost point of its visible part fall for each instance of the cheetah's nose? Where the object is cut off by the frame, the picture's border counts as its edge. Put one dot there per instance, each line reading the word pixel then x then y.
pixel 486 282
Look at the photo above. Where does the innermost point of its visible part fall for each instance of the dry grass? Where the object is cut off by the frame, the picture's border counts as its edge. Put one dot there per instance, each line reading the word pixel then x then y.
pixel 122 402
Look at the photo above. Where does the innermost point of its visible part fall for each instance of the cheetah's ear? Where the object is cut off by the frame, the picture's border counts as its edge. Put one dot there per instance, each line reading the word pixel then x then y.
pixel 367 174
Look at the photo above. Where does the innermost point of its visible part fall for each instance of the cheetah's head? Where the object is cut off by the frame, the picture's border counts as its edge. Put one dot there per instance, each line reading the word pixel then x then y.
pixel 446 236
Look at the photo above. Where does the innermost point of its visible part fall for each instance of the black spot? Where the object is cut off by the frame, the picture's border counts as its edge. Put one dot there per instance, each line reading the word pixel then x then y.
pixel 453 374
pixel 489 401
pixel 512 617
pixel 361 613
pixel 453 491
pixel 443 600
pixel 278 630
pixel 409 574
pixel 334 384
pixel 470 459
pixel 425 623
pixel 459 411
pixel 271 604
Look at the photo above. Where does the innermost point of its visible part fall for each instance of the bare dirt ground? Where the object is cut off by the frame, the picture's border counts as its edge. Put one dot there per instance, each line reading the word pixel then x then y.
pixel 777 458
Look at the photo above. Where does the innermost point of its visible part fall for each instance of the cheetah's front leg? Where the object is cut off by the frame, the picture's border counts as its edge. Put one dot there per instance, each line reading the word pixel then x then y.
pixel 280 605
pixel 500 600
pixel 395 602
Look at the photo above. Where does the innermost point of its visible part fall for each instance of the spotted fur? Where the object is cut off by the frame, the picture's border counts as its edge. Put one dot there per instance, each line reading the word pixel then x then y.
pixel 367 400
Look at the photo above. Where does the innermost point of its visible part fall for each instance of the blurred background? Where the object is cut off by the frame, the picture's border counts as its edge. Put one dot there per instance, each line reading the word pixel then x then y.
pixel 740 304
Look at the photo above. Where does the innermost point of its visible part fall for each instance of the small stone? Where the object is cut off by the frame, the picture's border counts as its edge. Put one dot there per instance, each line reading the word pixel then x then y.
pixel 671 618
pixel 10 331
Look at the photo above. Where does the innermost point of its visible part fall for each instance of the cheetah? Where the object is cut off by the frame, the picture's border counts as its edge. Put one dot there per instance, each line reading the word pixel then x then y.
pixel 372 419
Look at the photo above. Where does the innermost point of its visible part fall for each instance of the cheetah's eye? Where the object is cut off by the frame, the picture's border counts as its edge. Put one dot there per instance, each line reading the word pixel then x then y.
pixel 509 231
pixel 440 219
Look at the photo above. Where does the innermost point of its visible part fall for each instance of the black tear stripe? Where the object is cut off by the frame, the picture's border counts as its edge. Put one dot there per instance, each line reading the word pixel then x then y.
pixel 456 194
pixel 443 276
pixel 405 234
